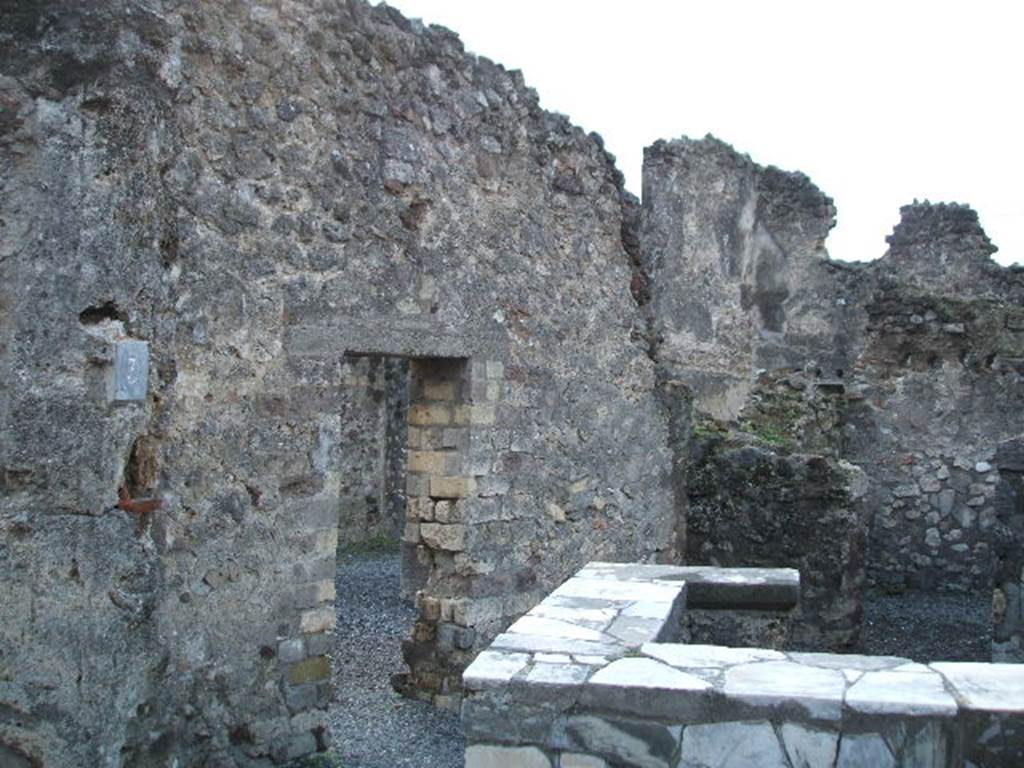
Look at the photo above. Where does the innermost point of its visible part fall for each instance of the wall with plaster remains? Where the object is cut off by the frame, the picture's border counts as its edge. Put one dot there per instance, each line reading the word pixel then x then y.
pixel 257 192
pixel 257 202
pixel 920 351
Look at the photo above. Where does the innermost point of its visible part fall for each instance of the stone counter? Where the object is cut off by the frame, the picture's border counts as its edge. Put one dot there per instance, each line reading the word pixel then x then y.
pixel 592 677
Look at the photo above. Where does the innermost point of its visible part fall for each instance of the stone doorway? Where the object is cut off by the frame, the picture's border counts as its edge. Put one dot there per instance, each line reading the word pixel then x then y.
pixel 405 424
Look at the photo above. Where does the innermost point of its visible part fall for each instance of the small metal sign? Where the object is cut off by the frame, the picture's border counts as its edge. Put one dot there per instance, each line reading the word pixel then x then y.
pixel 131 371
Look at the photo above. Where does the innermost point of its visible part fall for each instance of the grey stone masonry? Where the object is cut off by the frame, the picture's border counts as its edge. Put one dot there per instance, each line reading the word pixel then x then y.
pixel 592 676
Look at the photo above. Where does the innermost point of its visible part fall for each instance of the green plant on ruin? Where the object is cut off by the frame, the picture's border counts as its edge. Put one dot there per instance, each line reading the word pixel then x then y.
pixel 708 428
pixel 375 545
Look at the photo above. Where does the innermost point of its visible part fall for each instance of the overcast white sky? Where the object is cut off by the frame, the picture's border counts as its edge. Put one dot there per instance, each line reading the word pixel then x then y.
pixel 878 102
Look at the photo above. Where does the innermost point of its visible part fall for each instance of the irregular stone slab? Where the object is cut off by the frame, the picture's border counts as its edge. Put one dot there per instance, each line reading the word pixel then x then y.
pixel 493 669
pixel 624 591
pixel 576 760
pixel 558 674
pixel 647 673
pixel 595 618
pixel 708 656
pixel 731 745
pixel 990 687
pixel 819 691
pixel 531 624
pixel 488 756
pixel 593 661
pixel 928 748
pixel 634 743
pixel 633 631
pixel 628 571
pixel 643 610
pixel 887 692
pixel 850 661
pixel 809 747
pixel 511 641
pixel 864 751
pixel 646 687
pixel 552 658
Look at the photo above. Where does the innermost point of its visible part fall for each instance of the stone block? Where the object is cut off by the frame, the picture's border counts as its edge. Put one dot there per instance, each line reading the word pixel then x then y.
pixel 430 607
pixel 448 511
pixel 478 415
pixel 708 656
pixel 451 538
pixel 777 683
pixel 326 541
pixel 861 750
pixel 469 613
pixel 317 620
pixel 430 414
pixel 488 756
pixel 451 487
pixel 326 591
pixel 558 675
pixel 625 742
pixel 809 747
pixel 431 462
pixel 985 687
pixel 732 744
pixel 310 670
pixel 300 697
pixel 495 369
pixel 419 508
pixel 434 389
pixel 293 649
pixel 493 669
pixel 319 644
pixel 891 692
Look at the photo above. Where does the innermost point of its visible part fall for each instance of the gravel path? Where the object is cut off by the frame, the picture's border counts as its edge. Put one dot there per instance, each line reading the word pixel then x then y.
pixel 371 725
pixel 927 627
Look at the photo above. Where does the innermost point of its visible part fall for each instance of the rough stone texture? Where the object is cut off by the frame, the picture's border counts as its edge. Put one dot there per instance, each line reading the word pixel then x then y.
pixel 256 191
pixel 749 505
pixel 919 352
pixel 254 195
pixel 1008 534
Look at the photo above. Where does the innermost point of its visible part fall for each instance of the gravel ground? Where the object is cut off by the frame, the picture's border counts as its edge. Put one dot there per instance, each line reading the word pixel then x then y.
pixel 927 627
pixel 371 725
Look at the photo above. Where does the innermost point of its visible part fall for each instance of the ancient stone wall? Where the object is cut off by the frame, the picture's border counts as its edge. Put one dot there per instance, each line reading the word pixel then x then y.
pixel 1008 543
pixel 216 216
pixel 921 349
pixel 255 192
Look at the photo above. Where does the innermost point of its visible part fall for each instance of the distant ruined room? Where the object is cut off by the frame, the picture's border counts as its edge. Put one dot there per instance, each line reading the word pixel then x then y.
pixel 307 275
